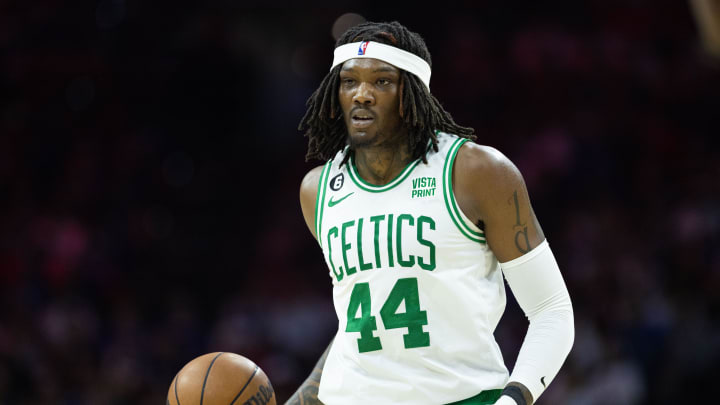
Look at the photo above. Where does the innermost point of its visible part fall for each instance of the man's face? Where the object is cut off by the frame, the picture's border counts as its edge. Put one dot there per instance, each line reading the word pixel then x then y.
pixel 370 98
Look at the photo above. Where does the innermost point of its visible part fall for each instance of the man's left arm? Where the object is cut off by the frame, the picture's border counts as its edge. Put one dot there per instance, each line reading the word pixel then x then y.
pixel 490 190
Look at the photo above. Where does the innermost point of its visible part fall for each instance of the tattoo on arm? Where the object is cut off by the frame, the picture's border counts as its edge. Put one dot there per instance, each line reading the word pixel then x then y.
pixel 308 391
pixel 522 242
pixel 307 394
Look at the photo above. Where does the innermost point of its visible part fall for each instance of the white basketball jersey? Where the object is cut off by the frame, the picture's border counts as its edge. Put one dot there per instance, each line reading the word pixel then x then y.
pixel 416 289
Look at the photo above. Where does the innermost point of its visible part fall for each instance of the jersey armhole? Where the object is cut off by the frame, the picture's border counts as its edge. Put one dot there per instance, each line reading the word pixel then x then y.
pixel 464 225
pixel 320 200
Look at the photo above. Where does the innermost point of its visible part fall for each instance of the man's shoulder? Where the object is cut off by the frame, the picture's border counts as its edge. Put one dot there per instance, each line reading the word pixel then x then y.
pixel 484 161
pixel 311 180
pixel 308 195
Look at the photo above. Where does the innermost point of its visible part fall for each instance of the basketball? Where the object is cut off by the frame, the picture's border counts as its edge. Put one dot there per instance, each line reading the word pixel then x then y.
pixel 221 378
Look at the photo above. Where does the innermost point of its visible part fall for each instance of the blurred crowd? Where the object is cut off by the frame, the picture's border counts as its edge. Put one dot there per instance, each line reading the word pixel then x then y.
pixel 150 166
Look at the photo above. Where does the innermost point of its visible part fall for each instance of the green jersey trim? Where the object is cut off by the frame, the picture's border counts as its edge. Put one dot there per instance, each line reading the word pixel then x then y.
pixel 355 176
pixel 320 199
pixel 486 397
pixel 460 221
pixel 378 189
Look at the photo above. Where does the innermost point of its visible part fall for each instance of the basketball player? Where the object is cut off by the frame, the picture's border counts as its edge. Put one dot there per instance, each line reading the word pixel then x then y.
pixel 418 225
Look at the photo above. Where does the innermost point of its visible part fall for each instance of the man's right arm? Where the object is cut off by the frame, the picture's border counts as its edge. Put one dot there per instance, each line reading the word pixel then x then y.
pixel 308 197
pixel 308 391
pixel 307 394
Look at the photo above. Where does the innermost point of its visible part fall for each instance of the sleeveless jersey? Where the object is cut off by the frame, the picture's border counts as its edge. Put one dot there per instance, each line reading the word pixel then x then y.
pixel 416 289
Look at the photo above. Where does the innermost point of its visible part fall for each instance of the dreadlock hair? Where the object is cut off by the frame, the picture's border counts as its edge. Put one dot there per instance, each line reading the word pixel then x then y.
pixel 421 112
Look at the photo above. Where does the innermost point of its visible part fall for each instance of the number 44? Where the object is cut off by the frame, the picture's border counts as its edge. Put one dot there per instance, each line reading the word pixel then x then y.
pixel 413 318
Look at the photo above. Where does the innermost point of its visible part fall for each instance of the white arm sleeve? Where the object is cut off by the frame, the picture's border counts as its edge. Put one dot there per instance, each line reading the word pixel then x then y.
pixel 540 290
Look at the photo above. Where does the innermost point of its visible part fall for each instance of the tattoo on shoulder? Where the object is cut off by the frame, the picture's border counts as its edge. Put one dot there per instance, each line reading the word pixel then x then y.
pixel 522 242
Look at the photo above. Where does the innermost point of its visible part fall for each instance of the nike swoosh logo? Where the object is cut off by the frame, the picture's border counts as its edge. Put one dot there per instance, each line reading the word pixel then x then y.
pixel 332 203
pixel 542 380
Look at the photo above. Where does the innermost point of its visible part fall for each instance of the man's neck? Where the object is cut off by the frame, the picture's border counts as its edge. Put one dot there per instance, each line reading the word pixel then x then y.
pixel 378 165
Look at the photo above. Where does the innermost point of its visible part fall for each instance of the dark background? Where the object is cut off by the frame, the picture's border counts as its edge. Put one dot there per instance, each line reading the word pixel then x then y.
pixel 150 166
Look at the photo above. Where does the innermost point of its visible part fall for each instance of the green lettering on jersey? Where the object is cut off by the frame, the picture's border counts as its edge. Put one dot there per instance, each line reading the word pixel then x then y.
pixel 398 234
pixel 338 275
pixel 406 289
pixel 346 246
pixel 397 247
pixel 423 187
pixel 389 241
pixel 363 265
pixel 431 225
pixel 377 219
pixel 365 323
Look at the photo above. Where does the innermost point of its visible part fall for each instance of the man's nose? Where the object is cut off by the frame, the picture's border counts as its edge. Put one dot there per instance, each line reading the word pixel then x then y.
pixel 364 94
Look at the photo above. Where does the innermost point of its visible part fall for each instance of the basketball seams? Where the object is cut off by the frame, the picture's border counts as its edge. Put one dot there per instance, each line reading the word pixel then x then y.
pixel 223 386
pixel 177 399
pixel 245 386
pixel 207 374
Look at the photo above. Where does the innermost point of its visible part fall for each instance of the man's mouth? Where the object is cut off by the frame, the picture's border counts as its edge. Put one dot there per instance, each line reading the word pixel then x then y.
pixel 362 119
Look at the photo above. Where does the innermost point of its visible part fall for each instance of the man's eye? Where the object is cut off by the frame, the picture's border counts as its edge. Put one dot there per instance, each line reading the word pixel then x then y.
pixel 348 81
pixel 383 82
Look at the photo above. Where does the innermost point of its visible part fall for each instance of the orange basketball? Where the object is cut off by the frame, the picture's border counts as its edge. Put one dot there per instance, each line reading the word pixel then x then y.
pixel 221 378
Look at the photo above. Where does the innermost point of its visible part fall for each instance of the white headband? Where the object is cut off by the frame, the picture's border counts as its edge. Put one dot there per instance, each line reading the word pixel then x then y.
pixel 395 56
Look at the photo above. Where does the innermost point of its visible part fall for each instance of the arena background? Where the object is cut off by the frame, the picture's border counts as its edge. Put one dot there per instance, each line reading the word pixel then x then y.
pixel 150 165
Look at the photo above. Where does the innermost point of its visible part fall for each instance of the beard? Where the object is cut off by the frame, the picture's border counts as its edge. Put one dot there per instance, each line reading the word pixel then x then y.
pixel 382 138
pixel 362 141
